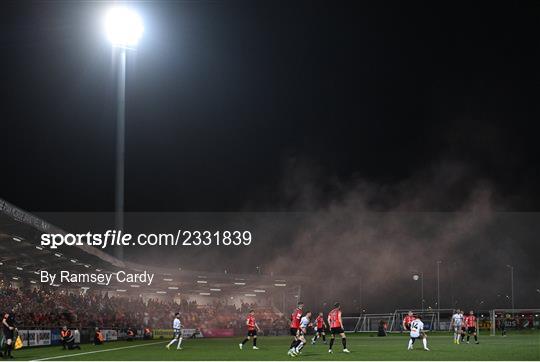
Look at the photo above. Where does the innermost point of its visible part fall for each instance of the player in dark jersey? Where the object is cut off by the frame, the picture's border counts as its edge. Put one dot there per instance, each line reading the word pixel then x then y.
pixel 252 329
pixel 296 317
pixel 321 327
pixel 8 327
pixel 336 327
pixel 470 323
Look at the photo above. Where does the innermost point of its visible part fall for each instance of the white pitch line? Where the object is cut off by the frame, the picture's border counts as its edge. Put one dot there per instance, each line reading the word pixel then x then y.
pixel 99 351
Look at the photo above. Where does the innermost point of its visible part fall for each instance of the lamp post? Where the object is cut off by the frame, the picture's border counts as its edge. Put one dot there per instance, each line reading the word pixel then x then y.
pixel 124 28
pixel 438 294
pixel 512 285
pixel 421 277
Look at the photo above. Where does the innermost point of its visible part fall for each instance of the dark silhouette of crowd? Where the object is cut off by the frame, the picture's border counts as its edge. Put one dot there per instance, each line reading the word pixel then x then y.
pixel 53 308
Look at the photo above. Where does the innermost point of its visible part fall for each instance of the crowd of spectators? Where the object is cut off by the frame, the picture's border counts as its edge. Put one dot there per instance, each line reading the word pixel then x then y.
pixel 53 308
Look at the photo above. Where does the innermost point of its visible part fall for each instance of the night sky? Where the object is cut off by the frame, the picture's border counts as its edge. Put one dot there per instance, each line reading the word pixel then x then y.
pixel 276 106
pixel 228 99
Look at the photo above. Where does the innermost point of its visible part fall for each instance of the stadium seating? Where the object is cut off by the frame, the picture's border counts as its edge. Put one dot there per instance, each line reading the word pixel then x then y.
pixel 53 308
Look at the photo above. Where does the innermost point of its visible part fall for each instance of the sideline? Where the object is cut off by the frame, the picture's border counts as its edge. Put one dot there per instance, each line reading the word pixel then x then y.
pixel 99 351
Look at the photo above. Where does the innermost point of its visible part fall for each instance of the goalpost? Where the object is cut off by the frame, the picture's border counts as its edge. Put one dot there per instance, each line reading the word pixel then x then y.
pixel 514 319
pixel 434 319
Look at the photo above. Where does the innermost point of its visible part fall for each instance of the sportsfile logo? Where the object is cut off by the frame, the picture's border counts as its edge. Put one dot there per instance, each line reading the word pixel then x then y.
pixel 120 238
pixel 110 237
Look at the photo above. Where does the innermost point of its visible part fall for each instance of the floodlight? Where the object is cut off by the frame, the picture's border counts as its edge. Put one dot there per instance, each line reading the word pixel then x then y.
pixel 124 27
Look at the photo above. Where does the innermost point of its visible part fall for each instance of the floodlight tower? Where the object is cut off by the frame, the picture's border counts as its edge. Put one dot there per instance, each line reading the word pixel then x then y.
pixel 438 294
pixel 416 277
pixel 511 267
pixel 124 28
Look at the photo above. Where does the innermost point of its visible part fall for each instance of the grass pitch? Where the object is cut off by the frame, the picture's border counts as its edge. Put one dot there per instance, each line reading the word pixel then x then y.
pixel 523 346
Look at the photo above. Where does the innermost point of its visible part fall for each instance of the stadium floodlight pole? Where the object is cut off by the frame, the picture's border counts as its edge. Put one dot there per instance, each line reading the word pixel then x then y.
pixel 124 28
pixel 361 292
pixel 512 285
pixel 422 288
pixel 420 276
pixel 438 294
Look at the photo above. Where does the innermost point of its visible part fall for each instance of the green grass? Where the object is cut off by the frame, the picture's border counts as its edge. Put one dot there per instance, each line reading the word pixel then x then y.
pixel 525 346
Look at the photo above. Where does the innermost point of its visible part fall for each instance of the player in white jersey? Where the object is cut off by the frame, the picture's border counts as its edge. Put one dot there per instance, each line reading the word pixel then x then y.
pixel 417 331
pixel 177 332
pixel 457 323
pixel 304 324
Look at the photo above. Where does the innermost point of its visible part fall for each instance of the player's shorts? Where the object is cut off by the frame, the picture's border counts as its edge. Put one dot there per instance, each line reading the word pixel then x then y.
pixel 8 334
pixel 320 330
pixel 471 330
pixel 252 332
pixel 457 328
pixel 177 333
pixel 294 331
pixel 337 330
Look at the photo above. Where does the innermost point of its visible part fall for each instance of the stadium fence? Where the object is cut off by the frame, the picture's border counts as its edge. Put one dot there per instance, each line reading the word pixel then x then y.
pixel 512 319
pixel 434 319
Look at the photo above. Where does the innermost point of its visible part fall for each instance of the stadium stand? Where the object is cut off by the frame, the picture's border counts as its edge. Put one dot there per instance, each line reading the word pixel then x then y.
pixel 220 303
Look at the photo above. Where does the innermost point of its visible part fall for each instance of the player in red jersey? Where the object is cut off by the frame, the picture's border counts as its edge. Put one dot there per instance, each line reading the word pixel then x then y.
pixel 336 327
pixel 321 327
pixel 406 324
pixel 252 328
pixel 296 317
pixel 470 323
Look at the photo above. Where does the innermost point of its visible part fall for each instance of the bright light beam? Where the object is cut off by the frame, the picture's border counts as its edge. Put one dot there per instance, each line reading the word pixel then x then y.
pixel 123 27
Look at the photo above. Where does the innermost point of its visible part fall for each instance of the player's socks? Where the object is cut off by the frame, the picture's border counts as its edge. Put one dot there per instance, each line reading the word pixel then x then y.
pixel 171 342
pixel 293 343
pixel 424 342
pixel 331 343
pixel 324 338
pixel 299 347
pixel 410 344
pixel 468 337
pixel 254 342
pixel 179 346
pixel 244 341
pixel 344 342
